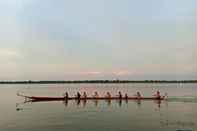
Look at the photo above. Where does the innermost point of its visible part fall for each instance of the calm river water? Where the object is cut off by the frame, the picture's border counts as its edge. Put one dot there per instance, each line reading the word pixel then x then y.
pixel 178 113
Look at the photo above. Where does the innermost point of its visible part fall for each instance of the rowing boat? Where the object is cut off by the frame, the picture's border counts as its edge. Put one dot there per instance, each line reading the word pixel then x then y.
pixel 88 98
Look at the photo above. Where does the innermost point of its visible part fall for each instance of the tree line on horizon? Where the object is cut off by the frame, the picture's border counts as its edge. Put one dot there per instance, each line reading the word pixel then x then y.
pixel 98 81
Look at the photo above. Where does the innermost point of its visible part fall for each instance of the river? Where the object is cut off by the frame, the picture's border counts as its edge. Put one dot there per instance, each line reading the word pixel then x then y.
pixel 178 112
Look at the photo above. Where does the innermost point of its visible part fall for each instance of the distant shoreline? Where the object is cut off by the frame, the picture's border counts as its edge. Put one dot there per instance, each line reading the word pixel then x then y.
pixel 98 81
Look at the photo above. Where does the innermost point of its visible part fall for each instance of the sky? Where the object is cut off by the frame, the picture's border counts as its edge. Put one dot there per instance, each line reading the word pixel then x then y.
pixel 98 39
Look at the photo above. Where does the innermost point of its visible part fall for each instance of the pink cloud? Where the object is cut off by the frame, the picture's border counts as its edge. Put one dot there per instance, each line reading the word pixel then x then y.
pixel 90 73
pixel 126 72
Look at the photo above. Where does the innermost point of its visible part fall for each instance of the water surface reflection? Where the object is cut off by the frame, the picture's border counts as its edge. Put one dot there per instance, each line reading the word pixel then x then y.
pixel 83 103
pixel 178 113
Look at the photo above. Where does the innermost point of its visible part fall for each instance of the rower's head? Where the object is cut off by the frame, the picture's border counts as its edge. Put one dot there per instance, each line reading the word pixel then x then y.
pixel 119 92
pixel 158 92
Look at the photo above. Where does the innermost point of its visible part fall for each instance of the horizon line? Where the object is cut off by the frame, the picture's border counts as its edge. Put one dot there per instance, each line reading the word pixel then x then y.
pixel 92 81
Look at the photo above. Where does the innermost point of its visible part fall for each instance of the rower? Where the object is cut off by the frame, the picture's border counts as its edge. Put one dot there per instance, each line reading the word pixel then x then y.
pixel 120 95
pixel 138 95
pixel 157 95
pixel 126 96
pixel 108 95
pixel 96 95
pixel 78 95
pixel 84 95
pixel 66 95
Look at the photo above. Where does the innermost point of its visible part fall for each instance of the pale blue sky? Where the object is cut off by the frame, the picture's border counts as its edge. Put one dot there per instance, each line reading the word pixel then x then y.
pixel 103 39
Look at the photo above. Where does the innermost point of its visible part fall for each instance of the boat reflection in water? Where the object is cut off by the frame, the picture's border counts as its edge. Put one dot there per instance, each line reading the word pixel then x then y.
pixel 120 103
pixel 84 103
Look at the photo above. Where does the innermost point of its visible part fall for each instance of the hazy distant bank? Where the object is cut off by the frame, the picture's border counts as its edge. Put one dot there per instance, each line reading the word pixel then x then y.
pixel 98 81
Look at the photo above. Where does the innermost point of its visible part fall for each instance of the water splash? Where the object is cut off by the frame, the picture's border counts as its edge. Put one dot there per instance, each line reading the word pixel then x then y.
pixel 192 99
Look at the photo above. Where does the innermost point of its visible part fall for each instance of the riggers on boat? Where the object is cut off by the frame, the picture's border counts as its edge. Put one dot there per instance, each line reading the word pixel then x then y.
pixel 89 98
